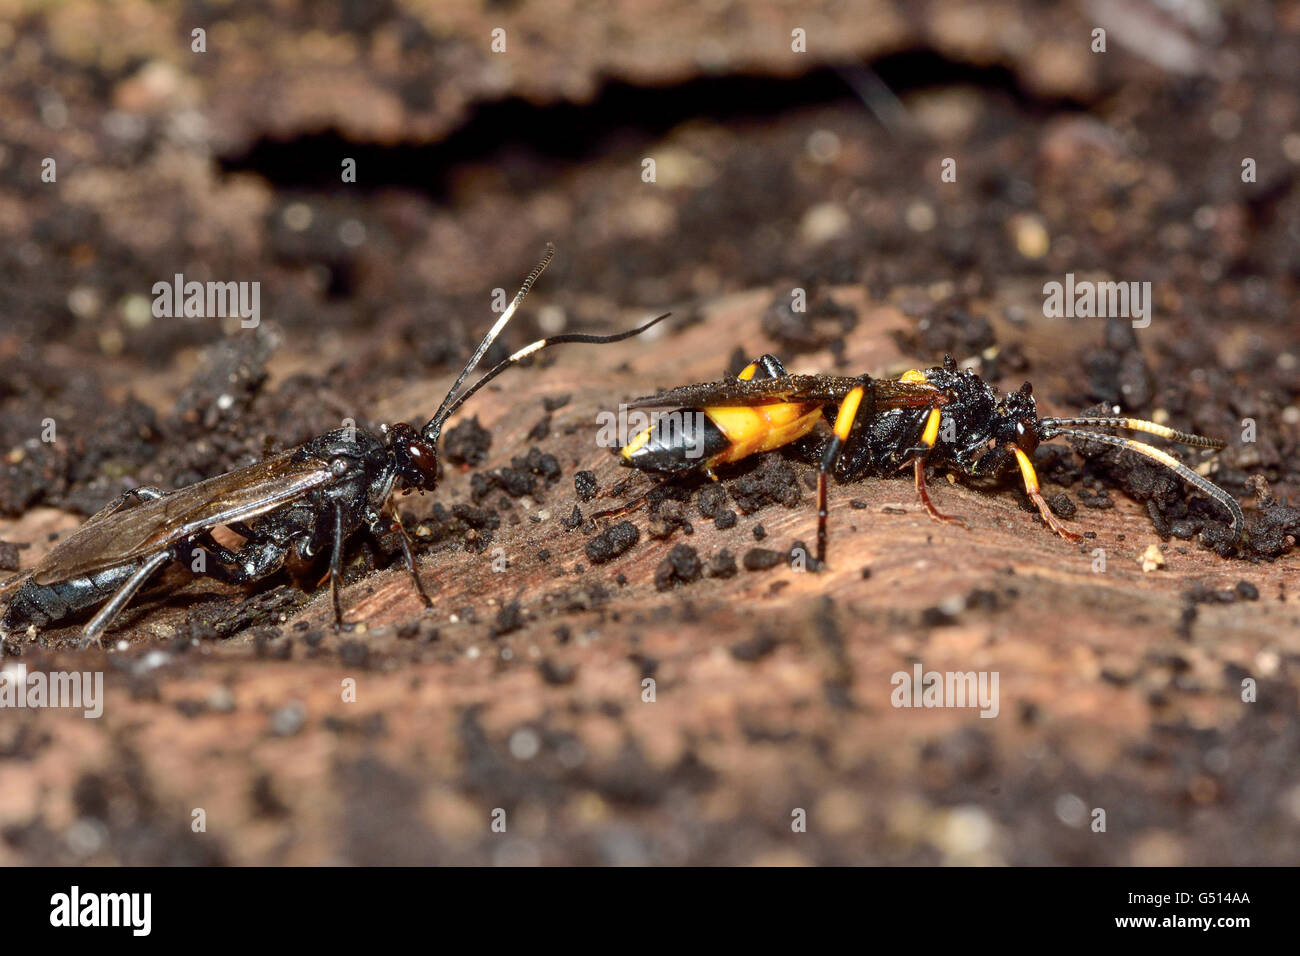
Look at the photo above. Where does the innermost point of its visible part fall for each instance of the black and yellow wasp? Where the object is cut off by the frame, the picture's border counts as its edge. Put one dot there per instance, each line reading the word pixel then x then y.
pixel 944 416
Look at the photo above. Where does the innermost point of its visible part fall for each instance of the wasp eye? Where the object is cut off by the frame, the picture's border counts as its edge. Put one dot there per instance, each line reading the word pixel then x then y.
pixel 423 462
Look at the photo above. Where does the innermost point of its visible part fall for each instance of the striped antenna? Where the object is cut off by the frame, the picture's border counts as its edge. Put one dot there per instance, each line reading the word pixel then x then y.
pixel 1137 425
pixel 531 349
pixel 1166 459
pixel 434 425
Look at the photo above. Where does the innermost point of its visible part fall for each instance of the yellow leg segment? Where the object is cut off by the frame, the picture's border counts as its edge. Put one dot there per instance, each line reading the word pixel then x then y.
pixel 931 433
pixel 1031 488
pixel 848 412
pixel 928 437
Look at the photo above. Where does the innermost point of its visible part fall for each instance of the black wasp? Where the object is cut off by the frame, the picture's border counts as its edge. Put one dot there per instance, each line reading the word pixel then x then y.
pixel 307 498
pixel 943 416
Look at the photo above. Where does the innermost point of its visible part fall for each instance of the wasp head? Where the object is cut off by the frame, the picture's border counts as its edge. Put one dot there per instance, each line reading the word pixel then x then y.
pixel 415 458
pixel 1016 420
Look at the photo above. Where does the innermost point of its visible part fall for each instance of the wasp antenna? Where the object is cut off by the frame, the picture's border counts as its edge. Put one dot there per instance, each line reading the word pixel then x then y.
pixel 434 426
pixel 1138 425
pixel 1170 462
pixel 444 409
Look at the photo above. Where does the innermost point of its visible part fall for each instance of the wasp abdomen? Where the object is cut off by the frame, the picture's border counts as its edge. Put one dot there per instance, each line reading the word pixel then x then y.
pixel 41 604
pixel 676 441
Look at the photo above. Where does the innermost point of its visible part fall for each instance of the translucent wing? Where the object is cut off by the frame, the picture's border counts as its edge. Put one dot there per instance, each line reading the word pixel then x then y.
pixel 887 393
pixel 116 536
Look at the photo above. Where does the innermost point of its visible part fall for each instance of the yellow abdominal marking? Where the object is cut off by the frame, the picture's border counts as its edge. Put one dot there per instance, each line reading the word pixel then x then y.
pixel 758 428
pixel 913 375
pixel 635 444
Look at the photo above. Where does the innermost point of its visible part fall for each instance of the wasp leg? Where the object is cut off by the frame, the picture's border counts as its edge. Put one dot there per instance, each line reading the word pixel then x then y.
pixel 928 438
pixel 923 493
pixel 143 493
pixel 636 503
pixel 843 425
pixel 766 363
pixel 336 569
pixel 1031 488
pixel 104 617
pixel 408 558
pixel 252 562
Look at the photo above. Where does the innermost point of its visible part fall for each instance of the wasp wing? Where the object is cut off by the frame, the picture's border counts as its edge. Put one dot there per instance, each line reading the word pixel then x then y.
pixel 130 533
pixel 828 389
pixel 10 585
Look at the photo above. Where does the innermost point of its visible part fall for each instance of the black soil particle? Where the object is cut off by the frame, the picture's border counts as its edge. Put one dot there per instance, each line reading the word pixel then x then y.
pixel 473 517
pixel 355 653
pixel 800 557
pixel 537 462
pixel 513 481
pixel 1061 505
pixel 231 375
pixel 713 504
pixel 541 430
pixel 422 628
pixel 584 483
pixel 713 498
pixel 669 517
pixel 755 648
pixel 265 802
pixel 762 559
pixel 509 619
pixel 475 525
pixel 612 542
pixel 556 674
pixel 467 444
pixel 937 616
pixel 722 565
pixel 838 679
pixel 682 566
pixel 774 481
pixel 1099 500
pixel 1275 531
pixel 1117 373
pixel 947 331
pixel 8 556
pixel 815 326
